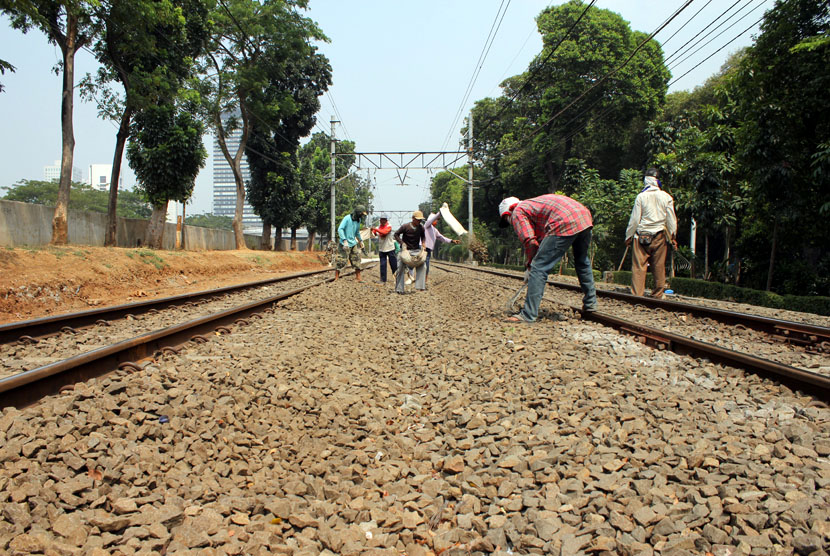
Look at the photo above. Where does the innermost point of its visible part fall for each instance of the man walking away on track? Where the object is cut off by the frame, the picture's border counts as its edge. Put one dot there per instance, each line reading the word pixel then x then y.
pixel 386 246
pixel 350 242
pixel 431 235
pixel 651 226
pixel 411 236
pixel 547 226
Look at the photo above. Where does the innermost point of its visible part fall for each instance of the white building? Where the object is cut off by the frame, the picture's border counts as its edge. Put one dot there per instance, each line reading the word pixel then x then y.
pixel 99 177
pixel 224 188
pixel 53 173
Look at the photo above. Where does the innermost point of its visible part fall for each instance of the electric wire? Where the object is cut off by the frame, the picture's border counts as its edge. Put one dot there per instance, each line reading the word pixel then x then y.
pixel 488 43
pixel 609 109
pixel 538 68
pixel 601 80
pixel 747 14
pixel 723 13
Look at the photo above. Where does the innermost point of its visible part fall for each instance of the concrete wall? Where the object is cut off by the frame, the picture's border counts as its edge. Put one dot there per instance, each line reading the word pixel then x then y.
pixel 26 224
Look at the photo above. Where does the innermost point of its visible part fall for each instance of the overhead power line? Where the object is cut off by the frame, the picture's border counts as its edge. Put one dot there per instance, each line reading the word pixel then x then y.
pixel 488 43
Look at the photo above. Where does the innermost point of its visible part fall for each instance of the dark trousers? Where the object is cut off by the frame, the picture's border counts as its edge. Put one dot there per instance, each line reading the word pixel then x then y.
pixel 429 256
pixel 393 263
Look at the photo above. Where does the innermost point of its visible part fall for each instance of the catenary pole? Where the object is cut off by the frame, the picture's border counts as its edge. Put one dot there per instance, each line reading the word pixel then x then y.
pixel 470 176
pixel 333 177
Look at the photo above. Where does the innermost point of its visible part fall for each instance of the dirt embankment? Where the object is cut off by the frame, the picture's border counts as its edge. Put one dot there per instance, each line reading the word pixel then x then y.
pixel 36 282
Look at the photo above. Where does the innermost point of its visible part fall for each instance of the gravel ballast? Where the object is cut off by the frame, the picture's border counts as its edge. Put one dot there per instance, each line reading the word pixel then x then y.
pixel 351 420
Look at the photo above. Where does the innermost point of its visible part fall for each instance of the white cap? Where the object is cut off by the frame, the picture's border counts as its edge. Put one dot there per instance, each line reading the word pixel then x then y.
pixel 507 204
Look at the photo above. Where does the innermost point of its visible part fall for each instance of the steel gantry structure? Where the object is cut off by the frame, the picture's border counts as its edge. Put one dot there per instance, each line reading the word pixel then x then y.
pixel 424 160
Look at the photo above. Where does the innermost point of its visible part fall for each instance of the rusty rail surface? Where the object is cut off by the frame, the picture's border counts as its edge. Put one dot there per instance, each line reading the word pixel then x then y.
pixel 789 331
pixel 45 326
pixel 810 383
pixel 30 386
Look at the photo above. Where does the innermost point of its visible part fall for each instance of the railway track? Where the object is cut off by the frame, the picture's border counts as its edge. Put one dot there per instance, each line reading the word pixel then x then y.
pixel 214 311
pixel 801 336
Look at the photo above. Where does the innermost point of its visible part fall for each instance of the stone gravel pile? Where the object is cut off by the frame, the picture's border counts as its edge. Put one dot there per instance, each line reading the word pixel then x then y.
pixel 351 420
pixel 18 357
pixel 741 339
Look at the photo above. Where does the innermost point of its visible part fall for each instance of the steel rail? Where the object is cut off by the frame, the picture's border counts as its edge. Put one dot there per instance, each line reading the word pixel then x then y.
pixel 30 386
pixel 795 332
pixel 45 326
pixel 813 384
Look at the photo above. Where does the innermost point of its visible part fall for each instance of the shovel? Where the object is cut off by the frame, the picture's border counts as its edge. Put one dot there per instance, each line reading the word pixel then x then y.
pixel 510 305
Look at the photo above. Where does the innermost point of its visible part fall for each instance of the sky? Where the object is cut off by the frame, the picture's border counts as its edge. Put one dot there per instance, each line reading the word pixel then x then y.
pixel 400 74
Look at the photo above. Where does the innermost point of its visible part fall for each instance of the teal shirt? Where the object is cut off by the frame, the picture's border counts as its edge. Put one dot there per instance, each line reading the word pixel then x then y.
pixel 349 230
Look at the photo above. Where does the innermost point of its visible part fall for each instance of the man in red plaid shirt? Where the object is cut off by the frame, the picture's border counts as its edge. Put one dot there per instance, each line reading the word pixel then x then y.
pixel 547 226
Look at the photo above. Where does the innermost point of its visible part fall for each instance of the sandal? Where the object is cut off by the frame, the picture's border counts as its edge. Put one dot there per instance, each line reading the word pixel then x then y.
pixel 516 318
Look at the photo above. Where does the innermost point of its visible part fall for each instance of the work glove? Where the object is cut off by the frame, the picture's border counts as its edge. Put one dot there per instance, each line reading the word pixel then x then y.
pixel 527 275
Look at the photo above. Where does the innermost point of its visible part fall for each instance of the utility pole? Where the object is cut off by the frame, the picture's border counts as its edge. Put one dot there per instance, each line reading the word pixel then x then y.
pixel 333 177
pixel 470 177
pixel 470 171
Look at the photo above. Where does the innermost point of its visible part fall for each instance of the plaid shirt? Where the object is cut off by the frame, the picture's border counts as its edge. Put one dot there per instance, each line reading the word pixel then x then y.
pixel 557 215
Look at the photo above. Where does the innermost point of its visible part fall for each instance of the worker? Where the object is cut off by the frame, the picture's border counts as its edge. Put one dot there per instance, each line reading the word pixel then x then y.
pixel 653 225
pixel 411 237
pixel 547 226
pixel 432 235
pixel 386 246
pixel 350 243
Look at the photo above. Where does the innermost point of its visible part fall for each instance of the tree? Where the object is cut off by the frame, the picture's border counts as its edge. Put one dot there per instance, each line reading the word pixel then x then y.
pixel 148 47
pixel 131 204
pixel 210 221
pixel 315 177
pixel 70 25
pixel 288 104
pixel 166 153
pixel 4 67
pixel 249 38
pixel 780 90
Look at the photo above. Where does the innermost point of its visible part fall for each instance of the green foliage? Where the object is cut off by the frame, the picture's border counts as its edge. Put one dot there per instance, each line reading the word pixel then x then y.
pixel 780 91
pixel 4 67
pixel 210 221
pixel 315 177
pixel 131 204
pixel 166 153
pixel 255 50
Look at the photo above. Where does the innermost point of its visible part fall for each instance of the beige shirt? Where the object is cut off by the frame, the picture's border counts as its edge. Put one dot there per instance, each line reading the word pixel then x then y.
pixel 653 211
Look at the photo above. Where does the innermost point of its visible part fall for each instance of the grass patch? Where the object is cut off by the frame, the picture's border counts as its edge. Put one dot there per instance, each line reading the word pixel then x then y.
pixel 256 259
pixel 147 257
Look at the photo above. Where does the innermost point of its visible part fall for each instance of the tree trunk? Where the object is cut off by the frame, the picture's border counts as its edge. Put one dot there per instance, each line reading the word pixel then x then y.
pixel 277 239
pixel 293 239
pixel 706 257
pixel 265 241
pixel 772 253
pixel 155 229
pixel 310 245
pixel 69 45
pixel 110 235
pixel 235 164
pixel 183 225
pixel 728 250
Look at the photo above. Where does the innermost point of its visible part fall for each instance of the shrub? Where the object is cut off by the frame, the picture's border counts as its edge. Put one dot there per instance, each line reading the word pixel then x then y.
pixel 727 292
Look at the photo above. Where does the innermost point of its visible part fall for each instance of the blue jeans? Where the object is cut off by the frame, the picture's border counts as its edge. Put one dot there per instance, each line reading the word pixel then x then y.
pixel 551 250
pixel 393 263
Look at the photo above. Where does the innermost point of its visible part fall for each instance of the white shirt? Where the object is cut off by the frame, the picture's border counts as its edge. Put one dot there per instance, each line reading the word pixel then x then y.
pixel 653 211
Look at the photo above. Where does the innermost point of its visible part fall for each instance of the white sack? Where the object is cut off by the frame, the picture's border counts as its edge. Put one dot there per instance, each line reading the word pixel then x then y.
pixel 451 221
